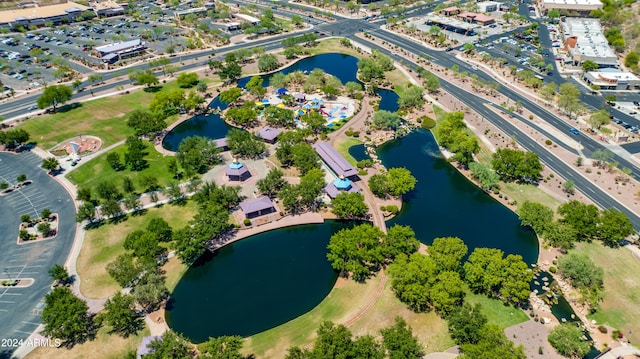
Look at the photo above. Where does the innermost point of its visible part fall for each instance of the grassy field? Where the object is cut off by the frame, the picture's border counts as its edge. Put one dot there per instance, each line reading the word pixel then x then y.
pixel 105 118
pixel 502 315
pixel 104 346
pixel 431 330
pixel 102 245
pixel 621 306
pixel 98 170
pixel 343 302
pixel 342 146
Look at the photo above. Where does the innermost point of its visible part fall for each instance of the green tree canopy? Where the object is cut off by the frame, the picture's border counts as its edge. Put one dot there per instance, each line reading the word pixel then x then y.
pixel 120 314
pixel 535 215
pixel 225 347
pixel 356 250
pixel 493 343
pixel 272 183
pixel 567 340
pixel 244 144
pixel 187 79
pixel 349 205
pixel 448 252
pixel 54 95
pixel 400 341
pixel 386 120
pixel 518 165
pixel 66 317
pixel 613 226
pixel 582 217
pixel 170 345
pixel 466 324
pixel 197 154
pixel 583 275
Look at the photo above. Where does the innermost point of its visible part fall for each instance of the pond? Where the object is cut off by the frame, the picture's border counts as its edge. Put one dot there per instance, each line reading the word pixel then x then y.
pixel 271 278
pixel 254 284
pixel 213 126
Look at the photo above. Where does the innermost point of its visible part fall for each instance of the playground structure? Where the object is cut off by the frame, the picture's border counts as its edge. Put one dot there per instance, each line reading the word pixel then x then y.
pixel 334 111
pixel 77 146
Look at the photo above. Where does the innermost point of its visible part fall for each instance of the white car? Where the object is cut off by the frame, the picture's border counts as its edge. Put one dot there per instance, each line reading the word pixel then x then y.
pixel 34 84
pixel 33 107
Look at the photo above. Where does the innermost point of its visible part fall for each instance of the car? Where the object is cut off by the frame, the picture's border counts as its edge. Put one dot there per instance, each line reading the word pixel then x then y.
pixel 34 84
pixel 574 131
pixel 475 68
pixel 633 112
pixel 33 107
pixel 616 121
pixel 449 49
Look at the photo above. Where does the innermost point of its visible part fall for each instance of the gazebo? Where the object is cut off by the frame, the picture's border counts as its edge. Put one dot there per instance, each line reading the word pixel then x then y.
pixel 299 97
pixel 236 171
pixel 340 184
pixel 281 91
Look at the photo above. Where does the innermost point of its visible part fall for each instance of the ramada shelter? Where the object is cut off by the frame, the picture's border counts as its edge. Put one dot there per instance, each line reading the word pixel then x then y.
pixel 253 208
pixel 335 161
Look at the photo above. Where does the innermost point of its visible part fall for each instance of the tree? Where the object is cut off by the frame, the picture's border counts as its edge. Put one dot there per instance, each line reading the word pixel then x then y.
pixel 582 217
pixel 268 62
pixel 244 144
pixel 231 71
pixel 399 240
pixel 518 165
pixel 569 98
pixel 584 275
pixel 613 226
pixel 537 216
pixel 76 84
pixel 113 159
pixel 145 122
pixel 272 183
pixel 447 253
pixel 349 205
pixel 493 343
pixel 400 181
pixel 125 270
pixel 378 185
pixel 631 60
pixel 598 118
pixel 120 314
pixel 66 317
pixel 602 156
pixel 548 91
pixel 202 86
pixel 386 120
pixel 400 341
pixel 567 340
pixel 150 291
pixel 171 345
pixel 431 82
pixel 54 95
pixel 411 97
pixel 468 48
pixel 51 164
pixel 225 347
pixel 488 178
pixel 569 187
pixel 366 346
pixel 231 95
pixel 187 79
pixel 12 139
pixel 134 157
pixel 196 154
pixel 93 78
pixel 561 235
pixel 86 211
pixel 59 273
pixel 244 116
pixel 280 117
pixel 589 65
pixel 255 87
pixel 466 324
pixel 356 250
pixel 304 157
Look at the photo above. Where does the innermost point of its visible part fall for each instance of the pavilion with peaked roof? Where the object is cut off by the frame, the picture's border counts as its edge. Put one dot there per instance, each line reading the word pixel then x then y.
pixel 253 208
pixel 335 161
pixel 340 184
pixel 269 134
pixel 237 171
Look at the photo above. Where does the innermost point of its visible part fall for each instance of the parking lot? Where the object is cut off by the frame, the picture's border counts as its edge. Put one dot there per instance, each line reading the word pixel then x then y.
pixel 28 60
pixel 20 308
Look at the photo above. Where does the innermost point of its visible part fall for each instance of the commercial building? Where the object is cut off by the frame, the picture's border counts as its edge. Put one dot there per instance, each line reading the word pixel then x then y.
pixel 111 53
pixel 450 24
pixel 476 18
pixel 449 11
pixel 584 41
pixel 108 9
pixel 612 79
pixel 581 7
pixel 488 6
pixel 41 15
pixel 195 10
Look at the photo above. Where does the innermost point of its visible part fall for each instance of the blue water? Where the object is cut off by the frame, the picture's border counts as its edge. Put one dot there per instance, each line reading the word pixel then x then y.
pixel 271 278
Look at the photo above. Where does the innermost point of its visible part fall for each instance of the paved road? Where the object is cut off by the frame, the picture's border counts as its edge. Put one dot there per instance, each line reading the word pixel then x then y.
pixel 19 307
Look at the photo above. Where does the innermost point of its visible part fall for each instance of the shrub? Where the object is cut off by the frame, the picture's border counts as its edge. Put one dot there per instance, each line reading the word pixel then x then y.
pixel 247 222
pixel 553 269
pixel 393 209
pixel 25 218
pixel 602 329
pixel 427 122
pixel 548 142
pixel 4 185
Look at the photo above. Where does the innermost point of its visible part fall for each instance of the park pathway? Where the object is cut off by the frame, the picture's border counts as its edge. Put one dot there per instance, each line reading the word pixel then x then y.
pixel 357 124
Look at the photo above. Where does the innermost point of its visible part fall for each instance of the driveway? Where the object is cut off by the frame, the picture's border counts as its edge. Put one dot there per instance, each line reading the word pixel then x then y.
pixel 20 308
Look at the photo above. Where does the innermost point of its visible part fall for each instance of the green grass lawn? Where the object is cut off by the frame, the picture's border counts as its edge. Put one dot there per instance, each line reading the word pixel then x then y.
pixel 621 306
pixel 103 244
pixel 499 314
pixel 98 170
pixel 105 118
pixel 342 146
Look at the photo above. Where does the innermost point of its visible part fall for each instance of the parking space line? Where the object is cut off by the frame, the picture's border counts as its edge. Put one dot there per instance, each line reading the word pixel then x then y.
pixel 7 302
pixel 23 332
pixel 32 323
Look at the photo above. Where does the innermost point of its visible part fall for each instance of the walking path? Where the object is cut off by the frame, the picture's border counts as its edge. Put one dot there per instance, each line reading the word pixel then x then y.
pixel 620 352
